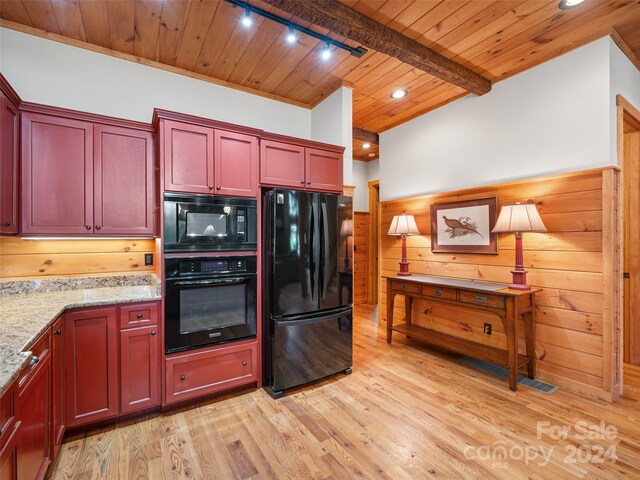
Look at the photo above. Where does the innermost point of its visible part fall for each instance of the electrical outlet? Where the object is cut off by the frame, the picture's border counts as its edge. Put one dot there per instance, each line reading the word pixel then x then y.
pixel 487 328
pixel 148 258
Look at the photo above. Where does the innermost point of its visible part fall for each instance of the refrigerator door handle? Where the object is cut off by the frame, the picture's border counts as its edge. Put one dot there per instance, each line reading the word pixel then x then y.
pixel 312 262
pixel 325 246
pixel 307 321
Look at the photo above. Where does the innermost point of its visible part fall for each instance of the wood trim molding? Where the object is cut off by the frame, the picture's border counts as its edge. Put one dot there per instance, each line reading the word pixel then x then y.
pixel 631 113
pixel 159 114
pixel 9 92
pixel 349 191
pixel 83 116
pixel 276 137
pixel 342 20
pixel 626 49
pixel 144 61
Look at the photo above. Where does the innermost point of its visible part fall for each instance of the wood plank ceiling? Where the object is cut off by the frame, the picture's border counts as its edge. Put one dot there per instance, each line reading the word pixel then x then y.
pixel 496 39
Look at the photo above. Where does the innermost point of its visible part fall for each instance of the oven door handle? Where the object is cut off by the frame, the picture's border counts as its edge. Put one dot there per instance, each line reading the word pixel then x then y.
pixel 230 281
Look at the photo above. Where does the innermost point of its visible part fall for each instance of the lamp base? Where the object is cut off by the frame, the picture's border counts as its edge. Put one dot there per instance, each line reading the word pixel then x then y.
pixel 404 269
pixel 519 280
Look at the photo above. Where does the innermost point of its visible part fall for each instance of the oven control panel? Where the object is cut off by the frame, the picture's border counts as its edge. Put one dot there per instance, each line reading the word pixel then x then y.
pixel 210 265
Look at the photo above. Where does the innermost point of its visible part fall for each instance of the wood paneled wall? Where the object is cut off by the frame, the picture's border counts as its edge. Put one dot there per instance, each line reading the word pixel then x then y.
pixel 38 258
pixel 572 314
pixel 360 220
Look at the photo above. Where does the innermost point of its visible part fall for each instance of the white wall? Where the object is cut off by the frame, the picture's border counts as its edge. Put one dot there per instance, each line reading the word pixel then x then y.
pixel 331 122
pixel 624 80
pixel 363 173
pixel 52 73
pixel 552 118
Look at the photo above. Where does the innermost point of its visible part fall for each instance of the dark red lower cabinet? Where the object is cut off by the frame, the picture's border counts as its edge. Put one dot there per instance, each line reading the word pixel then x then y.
pixel 139 369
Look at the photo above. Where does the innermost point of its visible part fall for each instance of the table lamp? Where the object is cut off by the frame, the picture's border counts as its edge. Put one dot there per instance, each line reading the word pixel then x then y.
pixel 346 230
pixel 517 219
pixel 403 225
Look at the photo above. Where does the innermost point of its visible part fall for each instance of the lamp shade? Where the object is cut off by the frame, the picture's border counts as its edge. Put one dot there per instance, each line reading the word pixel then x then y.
pixel 346 227
pixel 521 217
pixel 403 225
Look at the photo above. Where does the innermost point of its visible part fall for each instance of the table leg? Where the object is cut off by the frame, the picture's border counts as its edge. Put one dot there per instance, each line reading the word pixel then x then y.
pixel 512 342
pixel 408 308
pixel 530 338
pixel 390 297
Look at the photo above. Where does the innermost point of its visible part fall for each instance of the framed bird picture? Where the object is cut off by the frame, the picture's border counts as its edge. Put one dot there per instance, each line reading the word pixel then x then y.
pixel 464 227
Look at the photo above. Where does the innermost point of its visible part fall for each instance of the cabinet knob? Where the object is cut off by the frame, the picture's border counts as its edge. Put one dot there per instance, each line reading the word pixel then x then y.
pixel 302 182
pixel 244 364
pixel 33 361
pixel 58 331
pixel 309 182
pixel 210 187
pixel 139 315
pixel 153 332
pixel 7 224
pixel 182 377
pixel 217 187
pixel 88 227
pixel 98 227
pixel 438 293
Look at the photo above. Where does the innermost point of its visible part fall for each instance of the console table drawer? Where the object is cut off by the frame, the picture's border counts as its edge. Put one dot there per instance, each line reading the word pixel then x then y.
pixel 409 287
pixel 482 299
pixel 439 292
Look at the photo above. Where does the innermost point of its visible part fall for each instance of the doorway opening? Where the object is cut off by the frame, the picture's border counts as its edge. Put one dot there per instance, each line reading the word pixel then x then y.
pixel 373 243
pixel 629 149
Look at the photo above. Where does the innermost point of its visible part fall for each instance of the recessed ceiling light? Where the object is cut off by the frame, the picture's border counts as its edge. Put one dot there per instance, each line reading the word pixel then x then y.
pixel 366 145
pixel 291 36
pixel 372 154
pixel 567 4
pixel 246 18
pixel 398 94
pixel 325 54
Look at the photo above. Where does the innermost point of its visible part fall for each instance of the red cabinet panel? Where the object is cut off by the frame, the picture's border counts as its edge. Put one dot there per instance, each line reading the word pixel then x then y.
pixel 57 175
pixel 57 386
pixel 323 170
pixel 236 164
pixel 9 454
pixel 188 157
pixel 139 369
pixel 192 375
pixel 138 314
pixel 33 408
pixel 281 164
pixel 9 148
pixel 123 181
pixel 91 359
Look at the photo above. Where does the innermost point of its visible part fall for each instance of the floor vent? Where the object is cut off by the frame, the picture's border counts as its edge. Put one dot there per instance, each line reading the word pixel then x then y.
pixel 503 373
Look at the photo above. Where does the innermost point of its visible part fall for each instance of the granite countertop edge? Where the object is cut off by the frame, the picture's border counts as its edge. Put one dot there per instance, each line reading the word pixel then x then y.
pixel 13 358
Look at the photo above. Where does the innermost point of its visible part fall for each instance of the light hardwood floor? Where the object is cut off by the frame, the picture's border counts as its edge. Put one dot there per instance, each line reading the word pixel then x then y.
pixel 405 412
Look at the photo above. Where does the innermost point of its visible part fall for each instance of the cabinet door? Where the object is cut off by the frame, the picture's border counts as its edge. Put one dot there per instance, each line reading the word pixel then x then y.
pixel 57 175
pixel 139 369
pixel 9 138
pixel 188 157
pixel 9 455
pixel 323 170
pixel 123 181
pixel 281 164
pixel 57 386
pixel 236 164
pixel 91 360
pixel 34 410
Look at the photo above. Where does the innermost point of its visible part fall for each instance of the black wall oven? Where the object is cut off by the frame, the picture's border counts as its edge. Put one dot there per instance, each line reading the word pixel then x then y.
pixel 207 223
pixel 209 300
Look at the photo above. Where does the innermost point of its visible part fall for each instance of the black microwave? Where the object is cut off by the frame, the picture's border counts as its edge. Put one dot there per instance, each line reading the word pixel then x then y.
pixel 206 223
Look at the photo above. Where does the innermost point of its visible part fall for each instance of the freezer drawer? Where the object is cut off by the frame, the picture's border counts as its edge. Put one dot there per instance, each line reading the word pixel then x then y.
pixel 305 349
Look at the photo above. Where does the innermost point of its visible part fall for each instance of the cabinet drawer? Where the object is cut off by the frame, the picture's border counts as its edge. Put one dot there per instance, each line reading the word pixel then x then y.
pixel 39 351
pixel 138 315
pixel 409 287
pixel 482 299
pixel 439 292
pixel 193 375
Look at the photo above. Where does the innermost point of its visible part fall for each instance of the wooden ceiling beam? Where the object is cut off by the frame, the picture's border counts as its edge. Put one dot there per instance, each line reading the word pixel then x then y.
pixel 347 22
pixel 365 135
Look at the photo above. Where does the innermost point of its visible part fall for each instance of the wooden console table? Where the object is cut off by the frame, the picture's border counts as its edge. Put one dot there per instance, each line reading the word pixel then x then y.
pixel 506 303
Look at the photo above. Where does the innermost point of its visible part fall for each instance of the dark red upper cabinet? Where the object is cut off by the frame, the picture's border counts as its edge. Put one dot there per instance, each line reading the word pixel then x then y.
pixel 282 164
pixel 57 175
pixel 236 164
pixel 188 157
pixel 323 170
pixel 9 158
pixel 123 182
pixel 91 366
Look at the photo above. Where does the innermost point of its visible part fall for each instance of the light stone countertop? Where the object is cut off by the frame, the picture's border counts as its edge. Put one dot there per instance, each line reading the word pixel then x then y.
pixel 24 317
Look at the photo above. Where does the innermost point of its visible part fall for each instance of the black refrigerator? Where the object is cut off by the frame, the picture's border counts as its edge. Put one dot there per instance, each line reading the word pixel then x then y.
pixel 308 319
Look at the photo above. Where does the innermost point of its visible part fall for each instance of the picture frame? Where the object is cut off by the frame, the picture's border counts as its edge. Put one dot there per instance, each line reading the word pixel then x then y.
pixel 464 227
